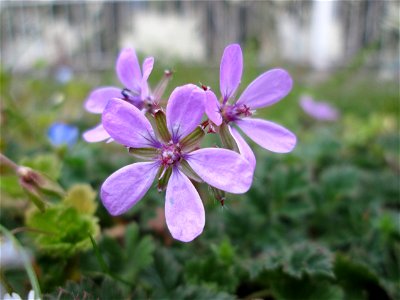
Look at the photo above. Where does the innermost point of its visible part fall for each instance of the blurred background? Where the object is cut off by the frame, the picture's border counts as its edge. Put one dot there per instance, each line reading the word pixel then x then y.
pixel 322 222
pixel 86 35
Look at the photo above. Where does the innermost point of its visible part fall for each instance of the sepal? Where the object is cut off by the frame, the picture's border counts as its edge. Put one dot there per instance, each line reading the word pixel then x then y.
pixel 227 139
pixel 218 194
pixel 163 176
pixel 189 172
pixel 193 139
pixel 144 153
pixel 161 126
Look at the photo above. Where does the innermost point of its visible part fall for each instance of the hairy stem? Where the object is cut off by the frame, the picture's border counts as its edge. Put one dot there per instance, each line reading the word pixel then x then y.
pixel 4 160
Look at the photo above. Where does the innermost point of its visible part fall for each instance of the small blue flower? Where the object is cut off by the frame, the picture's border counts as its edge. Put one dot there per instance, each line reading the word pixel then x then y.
pixel 64 74
pixel 60 134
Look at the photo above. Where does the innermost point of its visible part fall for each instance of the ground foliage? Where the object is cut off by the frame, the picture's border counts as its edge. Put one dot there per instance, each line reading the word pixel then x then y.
pixel 319 223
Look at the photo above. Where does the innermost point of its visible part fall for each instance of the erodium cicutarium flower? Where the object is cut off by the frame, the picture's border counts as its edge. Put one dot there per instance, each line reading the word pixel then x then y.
pixel 136 90
pixel 321 111
pixel 265 90
pixel 172 157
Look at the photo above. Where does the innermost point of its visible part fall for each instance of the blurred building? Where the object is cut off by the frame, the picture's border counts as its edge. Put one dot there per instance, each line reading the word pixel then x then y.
pixel 86 35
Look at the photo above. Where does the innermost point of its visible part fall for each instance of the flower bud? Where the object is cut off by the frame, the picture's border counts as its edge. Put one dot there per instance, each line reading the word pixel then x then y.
pixel 37 186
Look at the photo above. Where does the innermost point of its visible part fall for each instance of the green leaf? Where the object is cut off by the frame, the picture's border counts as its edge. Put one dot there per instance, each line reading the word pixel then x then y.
pixel 164 276
pixel 195 292
pixel 66 231
pixel 138 252
pixel 82 198
pixel 48 164
pixel 206 270
pixel 296 261
pixel 9 184
pixel 309 259
pixel 306 288
pixel 87 289
pixel 358 280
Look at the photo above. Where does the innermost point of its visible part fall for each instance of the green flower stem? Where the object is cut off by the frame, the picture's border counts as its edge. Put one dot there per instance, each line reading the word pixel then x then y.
pixel 5 283
pixel 103 264
pixel 4 160
pixel 27 264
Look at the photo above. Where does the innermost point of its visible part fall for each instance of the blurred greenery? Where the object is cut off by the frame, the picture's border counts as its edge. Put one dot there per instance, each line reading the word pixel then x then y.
pixel 321 222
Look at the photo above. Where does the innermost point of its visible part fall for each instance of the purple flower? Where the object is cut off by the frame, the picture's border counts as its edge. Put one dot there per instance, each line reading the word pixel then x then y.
pixel 265 90
pixel 321 111
pixel 136 91
pixel 170 154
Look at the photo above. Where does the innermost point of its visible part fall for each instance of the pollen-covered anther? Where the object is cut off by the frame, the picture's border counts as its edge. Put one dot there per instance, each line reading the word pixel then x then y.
pixel 205 87
pixel 168 73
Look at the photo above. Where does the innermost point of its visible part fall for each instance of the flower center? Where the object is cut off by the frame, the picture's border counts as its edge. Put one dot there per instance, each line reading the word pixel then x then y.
pixel 235 112
pixel 170 154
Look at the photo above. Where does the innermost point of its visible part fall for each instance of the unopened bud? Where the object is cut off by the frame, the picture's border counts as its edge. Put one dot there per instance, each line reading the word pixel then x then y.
pixel 37 186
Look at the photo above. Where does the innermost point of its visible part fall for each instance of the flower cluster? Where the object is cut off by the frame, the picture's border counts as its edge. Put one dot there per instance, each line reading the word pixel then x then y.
pixel 167 135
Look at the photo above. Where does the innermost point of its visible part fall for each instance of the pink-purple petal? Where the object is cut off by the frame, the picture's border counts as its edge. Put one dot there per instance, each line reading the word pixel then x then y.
pixel 128 69
pixel 185 109
pixel 319 110
pixel 127 125
pixel 98 98
pixel 125 187
pixel 212 108
pixel 184 210
pixel 267 89
pixel 268 135
pixel 222 168
pixel 231 70
pixel 244 148
pixel 96 134
pixel 148 64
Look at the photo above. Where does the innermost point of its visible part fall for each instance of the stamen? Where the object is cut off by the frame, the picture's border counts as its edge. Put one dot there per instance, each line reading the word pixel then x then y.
pixel 162 85
pixel 205 87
